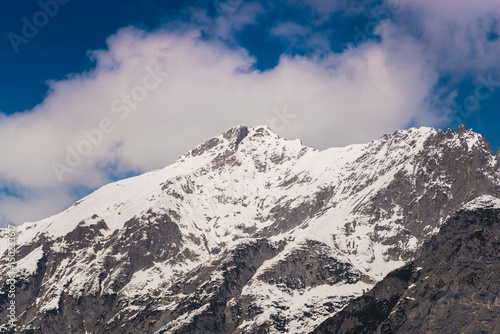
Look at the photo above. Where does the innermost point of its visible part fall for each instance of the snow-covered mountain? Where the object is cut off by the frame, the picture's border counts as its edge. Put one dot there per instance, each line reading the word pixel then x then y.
pixel 246 233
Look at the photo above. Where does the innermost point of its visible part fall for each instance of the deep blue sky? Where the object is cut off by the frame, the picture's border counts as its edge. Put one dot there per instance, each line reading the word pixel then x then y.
pixel 60 47
pixel 455 43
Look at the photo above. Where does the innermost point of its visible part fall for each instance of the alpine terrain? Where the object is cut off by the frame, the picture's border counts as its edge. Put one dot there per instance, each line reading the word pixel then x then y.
pixel 452 286
pixel 252 233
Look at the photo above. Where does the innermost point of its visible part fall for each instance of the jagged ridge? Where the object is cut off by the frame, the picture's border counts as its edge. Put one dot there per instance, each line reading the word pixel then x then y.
pixel 334 223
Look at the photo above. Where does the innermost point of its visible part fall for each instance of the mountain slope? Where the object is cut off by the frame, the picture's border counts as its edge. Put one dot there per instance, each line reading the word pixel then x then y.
pixel 451 287
pixel 246 231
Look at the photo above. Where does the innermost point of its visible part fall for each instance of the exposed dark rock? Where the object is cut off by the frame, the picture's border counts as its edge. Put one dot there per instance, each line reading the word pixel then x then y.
pixel 236 135
pixel 451 287
pixel 310 266
pixel 208 145
pixel 237 267
pixel 461 129
pixel 425 194
pixel 287 216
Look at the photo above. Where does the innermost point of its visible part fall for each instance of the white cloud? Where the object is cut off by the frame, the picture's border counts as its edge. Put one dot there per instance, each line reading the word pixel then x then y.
pixel 34 205
pixel 231 16
pixel 337 99
pixel 455 33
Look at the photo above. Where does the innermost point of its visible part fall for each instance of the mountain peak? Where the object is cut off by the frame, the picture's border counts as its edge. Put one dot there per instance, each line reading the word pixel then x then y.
pixel 236 135
pixel 231 140
pixel 461 129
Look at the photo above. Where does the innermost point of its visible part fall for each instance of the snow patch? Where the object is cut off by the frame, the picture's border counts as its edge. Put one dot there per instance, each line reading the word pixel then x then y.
pixel 28 264
pixel 482 202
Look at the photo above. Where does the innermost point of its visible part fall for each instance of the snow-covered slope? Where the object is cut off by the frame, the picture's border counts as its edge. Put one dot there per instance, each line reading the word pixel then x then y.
pixel 246 231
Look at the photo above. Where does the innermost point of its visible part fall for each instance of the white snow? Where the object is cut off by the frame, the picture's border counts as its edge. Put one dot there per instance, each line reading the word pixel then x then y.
pixel 28 264
pixel 51 304
pixel 183 319
pixel 482 202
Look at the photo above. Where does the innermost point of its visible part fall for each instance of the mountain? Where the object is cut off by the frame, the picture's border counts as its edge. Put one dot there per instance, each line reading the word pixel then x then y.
pixel 451 287
pixel 246 233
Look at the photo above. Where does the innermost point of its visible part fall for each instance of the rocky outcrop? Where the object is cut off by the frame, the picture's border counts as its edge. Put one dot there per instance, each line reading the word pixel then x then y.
pixel 437 180
pixel 451 287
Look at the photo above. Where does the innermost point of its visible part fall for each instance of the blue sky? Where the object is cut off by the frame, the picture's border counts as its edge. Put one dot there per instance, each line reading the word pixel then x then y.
pixel 329 72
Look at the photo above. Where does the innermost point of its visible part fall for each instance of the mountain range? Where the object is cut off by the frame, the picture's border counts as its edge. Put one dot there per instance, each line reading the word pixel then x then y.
pixel 252 233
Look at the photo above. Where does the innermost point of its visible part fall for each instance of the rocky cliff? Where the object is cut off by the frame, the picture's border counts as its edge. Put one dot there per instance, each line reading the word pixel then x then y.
pixel 451 287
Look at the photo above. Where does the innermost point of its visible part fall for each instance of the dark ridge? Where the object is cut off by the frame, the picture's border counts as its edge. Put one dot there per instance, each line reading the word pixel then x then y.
pixel 461 129
pixel 208 145
pixel 236 135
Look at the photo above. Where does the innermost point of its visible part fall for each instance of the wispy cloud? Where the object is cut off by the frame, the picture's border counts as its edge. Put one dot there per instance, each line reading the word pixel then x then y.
pixel 230 17
pixel 299 37
pixel 457 34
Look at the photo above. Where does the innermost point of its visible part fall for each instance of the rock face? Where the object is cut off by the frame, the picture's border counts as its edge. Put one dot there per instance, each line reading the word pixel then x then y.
pixel 451 287
pixel 246 233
